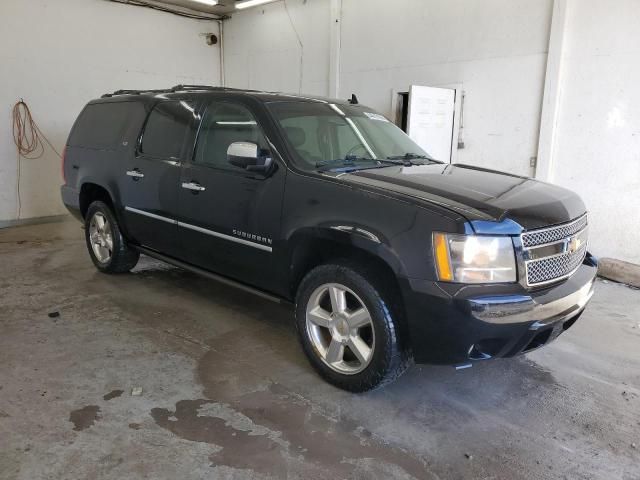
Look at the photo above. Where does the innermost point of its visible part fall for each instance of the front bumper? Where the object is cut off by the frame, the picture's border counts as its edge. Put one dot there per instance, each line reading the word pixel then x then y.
pixel 480 322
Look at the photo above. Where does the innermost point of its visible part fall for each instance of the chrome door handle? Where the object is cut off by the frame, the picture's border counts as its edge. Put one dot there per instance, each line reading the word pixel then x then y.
pixel 196 187
pixel 135 173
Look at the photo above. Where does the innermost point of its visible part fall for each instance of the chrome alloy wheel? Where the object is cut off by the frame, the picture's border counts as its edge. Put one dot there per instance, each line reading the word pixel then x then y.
pixel 340 328
pixel 101 237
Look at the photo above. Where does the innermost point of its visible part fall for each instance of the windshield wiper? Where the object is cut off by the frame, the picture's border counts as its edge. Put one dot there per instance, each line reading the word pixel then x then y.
pixel 348 161
pixel 407 157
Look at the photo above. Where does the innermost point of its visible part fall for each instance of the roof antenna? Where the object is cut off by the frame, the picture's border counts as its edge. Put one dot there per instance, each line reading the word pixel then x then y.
pixel 353 100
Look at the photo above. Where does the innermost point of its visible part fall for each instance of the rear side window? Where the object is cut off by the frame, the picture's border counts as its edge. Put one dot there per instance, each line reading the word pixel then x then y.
pixel 102 125
pixel 167 129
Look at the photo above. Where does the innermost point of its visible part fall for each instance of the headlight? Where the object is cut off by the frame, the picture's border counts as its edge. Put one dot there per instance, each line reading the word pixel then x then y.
pixel 474 259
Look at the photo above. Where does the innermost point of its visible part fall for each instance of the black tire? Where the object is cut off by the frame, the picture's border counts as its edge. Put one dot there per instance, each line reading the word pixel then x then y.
pixel 389 359
pixel 123 258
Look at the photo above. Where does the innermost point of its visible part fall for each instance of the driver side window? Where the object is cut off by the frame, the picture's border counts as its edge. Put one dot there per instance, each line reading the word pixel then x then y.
pixel 224 124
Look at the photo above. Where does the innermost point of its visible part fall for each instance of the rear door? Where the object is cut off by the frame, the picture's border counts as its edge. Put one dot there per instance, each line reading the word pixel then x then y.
pixel 149 184
pixel 230 224
pixel 97 148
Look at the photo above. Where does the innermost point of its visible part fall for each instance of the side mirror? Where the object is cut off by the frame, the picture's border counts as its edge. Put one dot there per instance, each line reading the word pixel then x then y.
pixel 246 155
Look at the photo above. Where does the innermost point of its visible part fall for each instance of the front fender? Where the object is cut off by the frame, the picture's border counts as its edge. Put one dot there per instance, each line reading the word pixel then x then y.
pixel 352 236
pixel 395 230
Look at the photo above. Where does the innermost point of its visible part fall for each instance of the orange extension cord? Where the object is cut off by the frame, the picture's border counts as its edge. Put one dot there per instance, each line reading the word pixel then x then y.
pixel 27 134
pixel 29 141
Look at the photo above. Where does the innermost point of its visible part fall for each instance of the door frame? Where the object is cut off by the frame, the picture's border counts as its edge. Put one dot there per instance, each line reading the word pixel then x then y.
pixel 457 111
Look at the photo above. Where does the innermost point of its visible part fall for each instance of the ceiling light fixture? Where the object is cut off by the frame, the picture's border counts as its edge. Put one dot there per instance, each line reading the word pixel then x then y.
pixel 210 3
pixel 251 3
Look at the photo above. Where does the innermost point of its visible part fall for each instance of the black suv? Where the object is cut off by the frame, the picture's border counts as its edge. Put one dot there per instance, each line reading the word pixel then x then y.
pixel 388 254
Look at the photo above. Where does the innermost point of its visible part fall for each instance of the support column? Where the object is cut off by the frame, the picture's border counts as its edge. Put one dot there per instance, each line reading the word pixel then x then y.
pixel 334 48
pixel 552 92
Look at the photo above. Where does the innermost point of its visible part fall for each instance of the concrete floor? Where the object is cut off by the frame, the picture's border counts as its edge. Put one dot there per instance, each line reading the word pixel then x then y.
pixel 227 392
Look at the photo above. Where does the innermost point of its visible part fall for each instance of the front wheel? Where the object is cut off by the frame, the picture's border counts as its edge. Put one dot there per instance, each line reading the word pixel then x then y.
pixel 347 329
pixel 107 247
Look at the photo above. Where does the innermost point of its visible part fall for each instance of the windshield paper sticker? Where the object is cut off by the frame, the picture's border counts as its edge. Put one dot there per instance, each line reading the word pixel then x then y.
pixel 376 116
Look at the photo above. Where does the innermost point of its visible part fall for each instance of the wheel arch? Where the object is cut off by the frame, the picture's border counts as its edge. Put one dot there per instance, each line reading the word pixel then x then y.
pixel 318 248
pixel 312 247
pixel 91 192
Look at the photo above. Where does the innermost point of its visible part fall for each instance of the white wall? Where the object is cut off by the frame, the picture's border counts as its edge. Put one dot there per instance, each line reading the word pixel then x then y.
pixel 596 151
pixel 59 54
pixel 495 50
pixel 262 50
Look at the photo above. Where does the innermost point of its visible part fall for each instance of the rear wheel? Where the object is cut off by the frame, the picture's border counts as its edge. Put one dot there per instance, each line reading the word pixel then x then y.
pixel 347 329
pixel 107 247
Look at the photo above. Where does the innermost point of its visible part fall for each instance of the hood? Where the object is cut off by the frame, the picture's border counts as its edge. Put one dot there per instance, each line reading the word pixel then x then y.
pixel 478 194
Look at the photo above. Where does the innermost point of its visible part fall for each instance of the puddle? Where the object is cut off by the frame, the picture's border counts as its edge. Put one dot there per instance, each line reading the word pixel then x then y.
pixel 113 394
pixel 258 424
pixel 85 417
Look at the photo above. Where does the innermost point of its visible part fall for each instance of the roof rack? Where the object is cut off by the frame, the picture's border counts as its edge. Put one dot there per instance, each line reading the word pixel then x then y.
pixel 182 88
pixel 132 92
pixel 177 88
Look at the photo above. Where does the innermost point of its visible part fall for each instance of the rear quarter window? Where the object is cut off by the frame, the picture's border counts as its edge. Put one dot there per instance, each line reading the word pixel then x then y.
pixel 167 129
pixel 103 125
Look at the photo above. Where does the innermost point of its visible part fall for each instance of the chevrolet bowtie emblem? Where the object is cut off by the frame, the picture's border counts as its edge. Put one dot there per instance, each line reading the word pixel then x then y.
pixel 573 244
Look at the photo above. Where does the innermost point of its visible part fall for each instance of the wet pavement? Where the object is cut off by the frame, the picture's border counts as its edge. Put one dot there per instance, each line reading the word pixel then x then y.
pixel 227 392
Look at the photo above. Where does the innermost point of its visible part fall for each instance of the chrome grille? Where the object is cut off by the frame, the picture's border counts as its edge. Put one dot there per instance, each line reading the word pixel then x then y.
pixel 548 252
pixel 553 268
pixel 553 234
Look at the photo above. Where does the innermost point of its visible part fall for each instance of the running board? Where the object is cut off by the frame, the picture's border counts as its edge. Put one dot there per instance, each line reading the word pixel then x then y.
pixel 210 275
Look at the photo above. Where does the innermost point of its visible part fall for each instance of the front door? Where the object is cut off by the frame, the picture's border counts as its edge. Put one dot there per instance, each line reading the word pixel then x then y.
pixel 149 186
pixel 229 217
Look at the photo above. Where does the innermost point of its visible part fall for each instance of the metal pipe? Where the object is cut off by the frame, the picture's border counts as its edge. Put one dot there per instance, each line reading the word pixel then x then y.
pixel 222 73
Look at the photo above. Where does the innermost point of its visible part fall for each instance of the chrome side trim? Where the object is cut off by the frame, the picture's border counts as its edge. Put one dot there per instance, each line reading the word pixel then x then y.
pixel 225 237
pixel 201 230
pixel 151 215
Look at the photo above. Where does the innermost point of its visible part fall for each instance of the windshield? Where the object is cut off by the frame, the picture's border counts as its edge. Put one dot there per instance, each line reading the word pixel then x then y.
pixel 344 137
